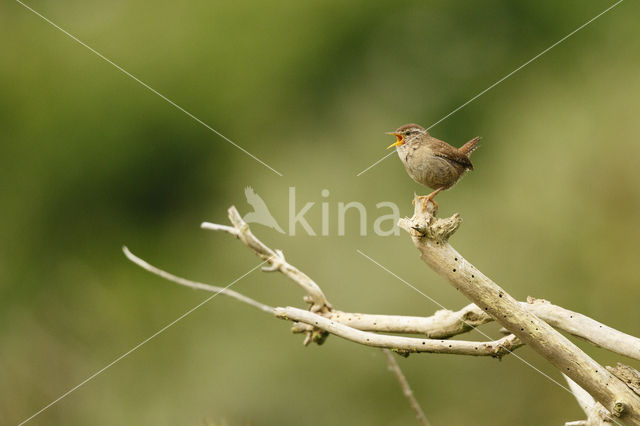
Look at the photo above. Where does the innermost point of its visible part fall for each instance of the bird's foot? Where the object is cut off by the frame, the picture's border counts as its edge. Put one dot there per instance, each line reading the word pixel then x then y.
pixel 425 199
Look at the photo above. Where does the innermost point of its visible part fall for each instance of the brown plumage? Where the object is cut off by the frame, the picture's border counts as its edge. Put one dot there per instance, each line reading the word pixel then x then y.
pixel 430 161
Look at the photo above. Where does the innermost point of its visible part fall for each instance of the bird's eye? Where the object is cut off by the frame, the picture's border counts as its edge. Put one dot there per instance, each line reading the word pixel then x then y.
pixel 407 133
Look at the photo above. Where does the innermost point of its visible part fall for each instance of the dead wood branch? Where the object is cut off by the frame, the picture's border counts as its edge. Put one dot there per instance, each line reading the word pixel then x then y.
pixel 275 258
pixel 400 344
pixel 430 235
pixel 530 322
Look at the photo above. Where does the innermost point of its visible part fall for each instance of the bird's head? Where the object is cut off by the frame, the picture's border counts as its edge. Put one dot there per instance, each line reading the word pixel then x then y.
pixel 407 134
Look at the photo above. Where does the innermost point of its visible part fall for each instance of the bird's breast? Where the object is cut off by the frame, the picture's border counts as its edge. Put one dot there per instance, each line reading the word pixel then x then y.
pixel 430 170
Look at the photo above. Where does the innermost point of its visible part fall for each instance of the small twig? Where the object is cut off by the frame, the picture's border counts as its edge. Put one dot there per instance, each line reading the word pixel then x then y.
pixel 596 413
pixel 221 228
pixel 586 328
pixel 405 345
pixel 194 284
pixel 406 389
pixel 275 258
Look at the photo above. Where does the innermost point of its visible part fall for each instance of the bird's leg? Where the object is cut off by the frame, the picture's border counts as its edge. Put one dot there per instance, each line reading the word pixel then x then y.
pixel 426 198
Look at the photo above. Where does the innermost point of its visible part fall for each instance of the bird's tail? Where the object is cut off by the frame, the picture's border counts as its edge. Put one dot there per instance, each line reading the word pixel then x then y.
pixel 470 146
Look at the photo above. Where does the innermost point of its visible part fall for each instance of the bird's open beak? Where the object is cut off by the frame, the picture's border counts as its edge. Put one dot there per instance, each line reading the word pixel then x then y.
pixel 398 142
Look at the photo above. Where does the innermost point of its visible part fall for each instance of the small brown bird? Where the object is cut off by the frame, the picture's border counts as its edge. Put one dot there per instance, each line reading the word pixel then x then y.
pixel 430 161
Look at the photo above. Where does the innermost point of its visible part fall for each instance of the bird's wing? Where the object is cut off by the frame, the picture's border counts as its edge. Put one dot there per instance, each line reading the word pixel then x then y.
pixel 254 199
pixel 445 150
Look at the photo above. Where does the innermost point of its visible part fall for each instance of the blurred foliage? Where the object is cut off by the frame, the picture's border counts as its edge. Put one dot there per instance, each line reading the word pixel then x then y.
pixel 91 160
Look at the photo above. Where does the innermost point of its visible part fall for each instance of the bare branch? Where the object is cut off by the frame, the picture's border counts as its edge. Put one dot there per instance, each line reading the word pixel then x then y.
pixel 445 323
pixel 586 328
pixel 406 389
pixel 430 235
pixel 275 259
pixel 194 284
pixel 441 325
pixel 222 228
pixel 530 322
pixel 497 349
pixel 401 344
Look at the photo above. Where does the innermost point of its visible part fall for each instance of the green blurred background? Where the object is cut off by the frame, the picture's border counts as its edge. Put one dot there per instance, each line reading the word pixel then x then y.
pixel 90 160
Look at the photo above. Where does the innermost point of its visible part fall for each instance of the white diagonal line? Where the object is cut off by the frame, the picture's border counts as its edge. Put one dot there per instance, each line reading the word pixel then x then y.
pixel 510 74
pixel 151 89
pixel 475 328
pixel 91 377
pixel 376 163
